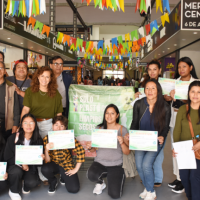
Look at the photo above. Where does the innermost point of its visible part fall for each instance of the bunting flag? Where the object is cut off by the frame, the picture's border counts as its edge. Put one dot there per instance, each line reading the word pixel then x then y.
pixel 26 7
pixel 148 38
pixel 127 37
pixel 59 37
pixel 40 26
pixel 32 21
pixel 148 5
pixel 166 5
pixel 114 41
pixel 143 6
pixel 143 41
pixel 153 25
pixel 100 44
pixel 164 18
pixel 147 27
pixel 66 39
pixel 46 29
pixel 137 5
pixel 120 41
pixel 134 35
pixel 141 31
pixel 159 4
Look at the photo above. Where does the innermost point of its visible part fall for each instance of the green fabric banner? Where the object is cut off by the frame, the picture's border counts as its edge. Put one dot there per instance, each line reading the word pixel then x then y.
pixel 87 105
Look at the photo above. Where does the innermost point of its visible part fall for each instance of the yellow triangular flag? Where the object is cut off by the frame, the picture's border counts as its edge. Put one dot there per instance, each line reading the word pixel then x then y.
pixel 24 8
pixel 136 54
pixel 130 44
pixel 164 18
pixel 8 6
pixel 159 4
pixel 127 37
pixel 121 4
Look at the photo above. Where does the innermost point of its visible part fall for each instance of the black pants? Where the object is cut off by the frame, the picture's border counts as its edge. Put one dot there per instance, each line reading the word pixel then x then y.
pixel 16 175
pixel 115 178
pixel 190 178
pixel 3 185
pixel 49 170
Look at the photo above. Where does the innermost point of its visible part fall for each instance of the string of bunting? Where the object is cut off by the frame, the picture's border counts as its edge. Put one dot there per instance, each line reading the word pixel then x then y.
pixel 26 7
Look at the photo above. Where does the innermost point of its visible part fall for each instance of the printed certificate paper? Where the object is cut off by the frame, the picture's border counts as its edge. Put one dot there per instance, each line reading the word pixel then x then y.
pixel 185 157
pixel 2 170
pixel 62 139
pixel 181 89
pixel 167 85
pixel 142 95
pixel 28 155
pixel 143 140
pixel 104 138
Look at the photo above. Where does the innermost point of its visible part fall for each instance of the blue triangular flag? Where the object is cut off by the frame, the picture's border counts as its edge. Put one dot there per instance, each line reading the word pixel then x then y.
pixel 15 11
pixel 27 7
pixel 166 5
pixel 154 25
pixel 100 44
pixel 114 41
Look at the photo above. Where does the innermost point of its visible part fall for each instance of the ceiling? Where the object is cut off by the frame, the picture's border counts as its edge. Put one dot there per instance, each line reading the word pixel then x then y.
pixel 96 16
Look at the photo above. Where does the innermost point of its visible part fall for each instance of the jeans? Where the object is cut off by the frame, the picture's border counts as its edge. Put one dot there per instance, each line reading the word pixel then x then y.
pixel 144 163
pixel 190 178
pixel 158 171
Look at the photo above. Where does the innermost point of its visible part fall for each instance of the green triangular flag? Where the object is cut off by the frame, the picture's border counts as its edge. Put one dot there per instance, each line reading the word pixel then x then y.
pixel 114 4
pixel 104 51
pixel 39 25
pixel 33 8
pixel 13 6
pixel 134 34
pixel 120 41
pixel 77 42
pixel 81 42
pixel 97 3
pixel 87 45
pixel 20 8
pixel 57 34
pixel 143 6
pixel 153 31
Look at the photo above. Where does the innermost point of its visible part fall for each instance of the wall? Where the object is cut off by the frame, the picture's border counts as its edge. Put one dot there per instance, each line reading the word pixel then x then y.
pixel 96 74
pixel 194 55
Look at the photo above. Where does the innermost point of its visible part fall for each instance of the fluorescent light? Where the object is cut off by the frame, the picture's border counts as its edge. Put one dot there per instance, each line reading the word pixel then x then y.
pixel 195 33
pixel 21 43
pixel 159 54
pixel 39 50
pixel 163 51
pixel 168 48
pixel 8 38
pixel 175 44
pixel 46 52
pixel 183 39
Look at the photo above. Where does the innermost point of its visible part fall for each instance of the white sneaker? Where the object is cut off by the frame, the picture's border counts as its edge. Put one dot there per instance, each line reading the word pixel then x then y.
pixel 14 196
pixel 150 196
pixel 99 188
pixel 143 194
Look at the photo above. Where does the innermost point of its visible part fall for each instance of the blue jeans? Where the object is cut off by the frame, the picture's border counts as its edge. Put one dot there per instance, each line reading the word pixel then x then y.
pixel 144 163
pixel 190 178
pixel 158 171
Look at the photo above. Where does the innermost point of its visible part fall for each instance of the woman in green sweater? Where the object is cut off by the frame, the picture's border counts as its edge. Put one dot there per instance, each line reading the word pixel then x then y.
pixel 190 178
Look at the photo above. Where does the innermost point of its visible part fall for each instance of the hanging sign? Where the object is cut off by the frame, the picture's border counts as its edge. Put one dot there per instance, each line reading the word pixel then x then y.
pixel 190 14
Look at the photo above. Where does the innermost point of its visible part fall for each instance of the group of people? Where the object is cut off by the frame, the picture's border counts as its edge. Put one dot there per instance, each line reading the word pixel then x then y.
pixel 31 108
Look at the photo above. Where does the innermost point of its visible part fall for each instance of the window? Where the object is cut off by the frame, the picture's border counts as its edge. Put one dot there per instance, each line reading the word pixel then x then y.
pixel 115 73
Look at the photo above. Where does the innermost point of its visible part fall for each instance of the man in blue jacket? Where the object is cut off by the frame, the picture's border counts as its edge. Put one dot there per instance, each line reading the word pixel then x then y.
pixel 64 80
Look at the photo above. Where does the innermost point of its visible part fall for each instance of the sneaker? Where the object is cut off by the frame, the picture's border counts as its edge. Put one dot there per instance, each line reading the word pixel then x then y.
pixel 174 183
pixel 157 184
pixel 14 196
pixel 143 194
pixel 150 196
pixel 52 186
pixel 25 190
pixel 99 188
pixel 179 188
pixel 62 182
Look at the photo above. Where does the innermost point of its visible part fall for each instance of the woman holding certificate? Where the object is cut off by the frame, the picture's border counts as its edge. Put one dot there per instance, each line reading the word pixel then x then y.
pixel 108 162
pixel 185 71
pixel 151 113
pixel 28 135
pixel 189 115
pixel 59 161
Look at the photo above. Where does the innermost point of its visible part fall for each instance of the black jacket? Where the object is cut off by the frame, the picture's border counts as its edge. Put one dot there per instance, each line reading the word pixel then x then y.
pixel 139 110
pixel 9 153
pixel 1 154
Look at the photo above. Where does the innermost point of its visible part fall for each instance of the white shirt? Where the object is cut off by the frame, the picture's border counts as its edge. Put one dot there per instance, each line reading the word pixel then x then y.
pixel 26 142
pixel 61 89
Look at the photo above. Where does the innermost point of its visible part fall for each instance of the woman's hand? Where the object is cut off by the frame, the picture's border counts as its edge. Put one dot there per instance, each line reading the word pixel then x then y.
pixel 43 156
pixel 49 146
pixel 5 176
pixel 167 98
pixel 25 168
pixel 137 94
pixel 120 139
pixel 88 145
pixel 161 139
pixel 71 172
pixel 174 153
pixel 196 147
pixel 172 93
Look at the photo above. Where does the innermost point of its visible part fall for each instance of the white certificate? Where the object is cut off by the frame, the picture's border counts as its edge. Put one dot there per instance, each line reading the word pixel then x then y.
pixel 142 95
pixel 181 90
pixel 185 157
pixel 28 155
pixel 62 139
pixel 104 138
pixel 2 170
pixel 167 85
pixel 143 140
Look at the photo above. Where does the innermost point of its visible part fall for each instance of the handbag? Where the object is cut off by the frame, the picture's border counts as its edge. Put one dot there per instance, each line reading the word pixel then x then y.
pixel 197 153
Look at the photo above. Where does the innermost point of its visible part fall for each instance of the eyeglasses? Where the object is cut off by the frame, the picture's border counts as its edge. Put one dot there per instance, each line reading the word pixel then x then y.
pixel 1 68
pixel 58 64
pixel 30 123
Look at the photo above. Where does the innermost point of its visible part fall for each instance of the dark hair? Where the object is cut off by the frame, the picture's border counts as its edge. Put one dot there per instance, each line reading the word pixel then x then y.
pixel 3 64
pixel 158 113
pixel 104 123
pixel 190 63
pixel 194 83
pixel 55 58
pixel 155 62
pixel 2 53
pixel 20 61
pixel 36 138
pixel 146 78
pixel 63 120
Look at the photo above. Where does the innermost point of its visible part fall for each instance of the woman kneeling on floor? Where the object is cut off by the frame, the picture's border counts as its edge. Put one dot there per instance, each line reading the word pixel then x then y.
pixel 108 162
pixel 60 161
pixel 28 135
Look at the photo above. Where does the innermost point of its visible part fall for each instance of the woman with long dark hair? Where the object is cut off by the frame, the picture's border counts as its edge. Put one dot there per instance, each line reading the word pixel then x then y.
pixel 28 135
pixel 151 113
pixel 108 162
pixel 185 71
pixel 189 113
